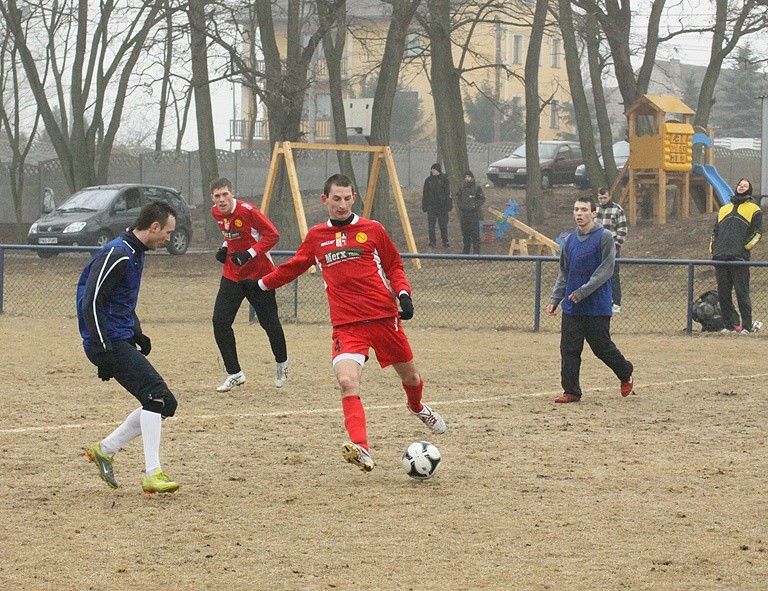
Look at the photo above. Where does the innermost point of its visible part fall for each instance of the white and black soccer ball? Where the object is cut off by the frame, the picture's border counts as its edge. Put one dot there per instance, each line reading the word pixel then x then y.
pixel 421 459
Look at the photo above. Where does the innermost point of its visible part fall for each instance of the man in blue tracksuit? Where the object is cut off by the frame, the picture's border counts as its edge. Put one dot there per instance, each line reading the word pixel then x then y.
pixel 584 287
pixel 107 293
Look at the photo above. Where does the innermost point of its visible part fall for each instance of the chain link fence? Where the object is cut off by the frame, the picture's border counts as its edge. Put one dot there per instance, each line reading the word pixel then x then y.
pixel 492 293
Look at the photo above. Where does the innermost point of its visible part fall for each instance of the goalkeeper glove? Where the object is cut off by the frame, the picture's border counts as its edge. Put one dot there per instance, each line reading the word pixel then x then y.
pixel 406 307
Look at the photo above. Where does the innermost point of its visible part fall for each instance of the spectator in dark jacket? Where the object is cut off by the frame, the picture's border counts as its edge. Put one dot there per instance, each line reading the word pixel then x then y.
pixel 436 201
pixel 469 200
pixel 738 228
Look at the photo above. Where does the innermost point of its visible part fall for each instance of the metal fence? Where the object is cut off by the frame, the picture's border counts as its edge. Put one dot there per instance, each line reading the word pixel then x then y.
pixel 492 293
pixel 248 170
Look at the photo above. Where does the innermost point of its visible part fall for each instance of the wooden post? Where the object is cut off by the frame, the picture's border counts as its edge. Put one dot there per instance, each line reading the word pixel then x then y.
pixel 660 201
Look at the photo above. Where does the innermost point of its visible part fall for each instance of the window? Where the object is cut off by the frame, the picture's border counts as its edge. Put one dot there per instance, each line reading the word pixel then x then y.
pixel 413 45
pixel 554 115
pixel 556 53
pixel 517 49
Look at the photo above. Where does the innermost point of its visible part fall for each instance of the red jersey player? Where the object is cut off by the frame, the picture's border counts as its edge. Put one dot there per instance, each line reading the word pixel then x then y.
pixel 364 279
pixel 248 238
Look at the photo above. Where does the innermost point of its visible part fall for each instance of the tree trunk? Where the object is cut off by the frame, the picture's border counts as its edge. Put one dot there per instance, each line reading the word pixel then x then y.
pixel 601 112
pixel 206 137
pixel 446 93
pixel 533 198
pixel 578 96
pixel 384 97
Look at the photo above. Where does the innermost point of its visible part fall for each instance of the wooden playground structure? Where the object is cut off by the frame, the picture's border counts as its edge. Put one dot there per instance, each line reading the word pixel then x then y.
pixel 661 138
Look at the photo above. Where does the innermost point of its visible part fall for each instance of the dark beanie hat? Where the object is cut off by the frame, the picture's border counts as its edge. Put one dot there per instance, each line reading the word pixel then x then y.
pixel 436 166
pixel 469 173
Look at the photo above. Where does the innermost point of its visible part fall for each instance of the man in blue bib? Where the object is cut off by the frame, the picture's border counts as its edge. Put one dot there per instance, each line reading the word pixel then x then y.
pixel 583 286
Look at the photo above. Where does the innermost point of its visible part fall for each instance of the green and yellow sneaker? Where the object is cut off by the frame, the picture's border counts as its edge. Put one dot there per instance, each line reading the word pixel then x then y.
pixel 103 463
pixel 158 482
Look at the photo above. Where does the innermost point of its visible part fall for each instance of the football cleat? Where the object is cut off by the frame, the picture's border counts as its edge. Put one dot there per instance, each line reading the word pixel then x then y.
pixel 158 482
pixel 565 398
pixel 628 387
pixel 757 325
pixel 431 419
pixel 103 463
pixel 357 455
pixel 281 374
pixel 235 379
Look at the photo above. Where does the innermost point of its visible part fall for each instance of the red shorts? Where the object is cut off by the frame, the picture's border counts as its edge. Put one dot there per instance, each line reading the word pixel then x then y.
pixel 385 336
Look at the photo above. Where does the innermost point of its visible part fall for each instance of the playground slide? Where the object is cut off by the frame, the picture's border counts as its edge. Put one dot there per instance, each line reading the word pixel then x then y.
pixel 723 192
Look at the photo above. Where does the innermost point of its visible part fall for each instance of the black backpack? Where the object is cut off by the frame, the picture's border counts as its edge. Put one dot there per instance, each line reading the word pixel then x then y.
pixel 706 311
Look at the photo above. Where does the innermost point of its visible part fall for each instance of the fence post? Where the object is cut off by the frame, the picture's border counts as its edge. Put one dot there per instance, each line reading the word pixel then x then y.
pixel 537 299
pixel 689 321
pixel 2 276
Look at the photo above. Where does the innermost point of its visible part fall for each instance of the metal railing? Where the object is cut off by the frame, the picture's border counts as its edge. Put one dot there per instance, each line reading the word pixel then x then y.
pixel 456 291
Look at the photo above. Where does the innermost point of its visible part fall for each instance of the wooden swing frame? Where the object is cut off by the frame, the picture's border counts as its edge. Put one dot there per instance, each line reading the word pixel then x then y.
pixel 284 151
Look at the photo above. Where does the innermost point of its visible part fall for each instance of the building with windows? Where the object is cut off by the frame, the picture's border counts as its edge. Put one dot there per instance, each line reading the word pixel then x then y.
pixel 491 52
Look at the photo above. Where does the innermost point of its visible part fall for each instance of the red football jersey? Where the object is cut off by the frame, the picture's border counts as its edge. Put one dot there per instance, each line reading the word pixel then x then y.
pixel 362 270
pixel 247 229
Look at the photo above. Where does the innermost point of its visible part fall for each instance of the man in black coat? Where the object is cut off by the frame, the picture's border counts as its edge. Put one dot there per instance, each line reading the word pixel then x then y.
pixel 436 201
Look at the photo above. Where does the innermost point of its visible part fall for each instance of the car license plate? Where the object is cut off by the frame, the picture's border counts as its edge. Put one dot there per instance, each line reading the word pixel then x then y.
pixel 53 240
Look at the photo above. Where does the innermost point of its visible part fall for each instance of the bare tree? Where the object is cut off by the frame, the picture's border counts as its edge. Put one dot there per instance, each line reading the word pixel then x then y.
pixel 91 58
pixel 578 96
pixel 206 137
pixel 730 27
pixel 19 129
pixel 446 92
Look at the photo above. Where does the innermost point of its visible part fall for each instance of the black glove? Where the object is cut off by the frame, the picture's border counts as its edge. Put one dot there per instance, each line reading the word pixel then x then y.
pixel 240 258
pixel 221 255
pixel 143 342
pixel 406 305
pixel 106 364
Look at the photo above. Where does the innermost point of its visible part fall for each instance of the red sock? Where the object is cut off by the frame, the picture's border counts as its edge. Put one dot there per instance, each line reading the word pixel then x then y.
pixel 414 395
pixel 354 420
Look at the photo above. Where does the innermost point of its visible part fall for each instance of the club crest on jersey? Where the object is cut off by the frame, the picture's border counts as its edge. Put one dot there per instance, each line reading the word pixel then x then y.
pixel 341 238
pixel 338 256
pixel 361 237
pixel 238 223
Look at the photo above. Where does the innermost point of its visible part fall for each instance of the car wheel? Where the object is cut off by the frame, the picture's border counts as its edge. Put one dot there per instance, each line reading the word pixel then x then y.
pixel 499 183
pixel 546 180
pixel 103 237
pixel 179 242
pixel 47 254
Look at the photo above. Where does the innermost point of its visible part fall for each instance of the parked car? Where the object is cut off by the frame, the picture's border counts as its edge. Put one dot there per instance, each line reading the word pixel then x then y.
pixel 95 215
pixel 620 155
pixel 558 161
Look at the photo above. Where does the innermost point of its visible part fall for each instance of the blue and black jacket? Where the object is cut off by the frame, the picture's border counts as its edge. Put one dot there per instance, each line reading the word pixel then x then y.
pixel 107 293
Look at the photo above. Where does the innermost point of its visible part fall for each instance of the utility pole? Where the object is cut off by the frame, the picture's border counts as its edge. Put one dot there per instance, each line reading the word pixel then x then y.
pixel 764 145
pixel 497 89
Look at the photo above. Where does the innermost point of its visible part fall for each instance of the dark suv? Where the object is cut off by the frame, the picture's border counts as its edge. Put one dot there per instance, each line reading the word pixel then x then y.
pixel 558 161
pixel 95 215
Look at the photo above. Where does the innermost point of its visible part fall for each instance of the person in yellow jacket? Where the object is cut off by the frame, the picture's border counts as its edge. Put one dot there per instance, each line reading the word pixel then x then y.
pixel 738 228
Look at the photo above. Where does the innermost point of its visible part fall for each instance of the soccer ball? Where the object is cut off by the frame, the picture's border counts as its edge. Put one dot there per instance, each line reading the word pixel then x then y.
pixel 421 459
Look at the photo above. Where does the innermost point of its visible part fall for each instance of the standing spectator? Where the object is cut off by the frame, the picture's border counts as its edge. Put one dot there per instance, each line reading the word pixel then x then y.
pixel 738 228
pixel 107 293
pixel 364 281
pixel 583 286
pixel 611 216
pixel 436 201
pixel 248 238
pixel 469 200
